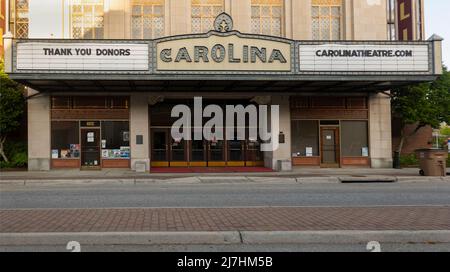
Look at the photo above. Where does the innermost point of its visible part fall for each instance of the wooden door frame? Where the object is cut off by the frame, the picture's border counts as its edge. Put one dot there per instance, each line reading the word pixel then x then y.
pixel 336 128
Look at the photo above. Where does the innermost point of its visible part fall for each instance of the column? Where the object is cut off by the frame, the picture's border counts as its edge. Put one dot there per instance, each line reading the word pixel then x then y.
pixel 241 13
pixel 283 152
pixel 38 132
pixel 301 20
pixel 139 132
pixel 180 17
pixel 380 136
pixel 115 21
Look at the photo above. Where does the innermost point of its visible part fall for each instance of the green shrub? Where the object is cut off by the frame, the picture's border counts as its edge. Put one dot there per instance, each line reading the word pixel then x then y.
pixel 17 155
pixel 409 160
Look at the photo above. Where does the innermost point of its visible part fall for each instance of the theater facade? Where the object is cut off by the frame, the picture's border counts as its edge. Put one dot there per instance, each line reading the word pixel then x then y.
pixel 107 103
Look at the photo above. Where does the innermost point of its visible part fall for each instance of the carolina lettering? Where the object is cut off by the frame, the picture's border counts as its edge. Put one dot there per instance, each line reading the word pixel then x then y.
pixel 220 53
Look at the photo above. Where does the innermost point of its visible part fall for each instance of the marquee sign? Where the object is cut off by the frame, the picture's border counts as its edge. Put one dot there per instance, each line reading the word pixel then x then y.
pixel 363 58
pixel 82 56
pixel 223 53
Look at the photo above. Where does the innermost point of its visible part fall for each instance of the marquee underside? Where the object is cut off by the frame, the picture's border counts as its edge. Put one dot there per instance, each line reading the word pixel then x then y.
pixel 98 83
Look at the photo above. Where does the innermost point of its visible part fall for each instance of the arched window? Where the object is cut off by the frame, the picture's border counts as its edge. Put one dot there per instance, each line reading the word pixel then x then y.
pixel 267 17
pixel 87 19
pixel 147 19
pixel 326 19
pixel 203 14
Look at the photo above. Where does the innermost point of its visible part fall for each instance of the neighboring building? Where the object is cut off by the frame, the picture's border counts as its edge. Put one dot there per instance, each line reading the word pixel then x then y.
pixel 406 23
pixel 2 25
pixel 104 76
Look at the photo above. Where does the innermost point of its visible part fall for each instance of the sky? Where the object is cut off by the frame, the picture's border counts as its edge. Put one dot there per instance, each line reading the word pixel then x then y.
pixel 437 21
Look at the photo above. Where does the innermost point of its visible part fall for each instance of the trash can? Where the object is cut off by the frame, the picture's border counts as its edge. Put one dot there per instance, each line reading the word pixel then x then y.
pixel 432 162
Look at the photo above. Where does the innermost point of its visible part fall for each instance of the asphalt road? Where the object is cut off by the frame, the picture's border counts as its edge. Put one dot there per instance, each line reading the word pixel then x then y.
pixel 224 195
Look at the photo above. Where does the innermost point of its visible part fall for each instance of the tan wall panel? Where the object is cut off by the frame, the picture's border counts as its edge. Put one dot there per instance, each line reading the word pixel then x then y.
pixel 38 131
pixel 241 13
pixel 369 20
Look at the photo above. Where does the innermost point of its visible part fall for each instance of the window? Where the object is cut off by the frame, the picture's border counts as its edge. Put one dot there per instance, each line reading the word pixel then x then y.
pixel 87 19
pixel 147 19
pixel 60 102
pixel 203 14
pixel 391 29
pixel 21 22
pixel 267 17
pixel 354 139
pixel 115 140
pixel 326 19
pixel 65 140
pixel 305 138
pixel 90 102
pixel 419 18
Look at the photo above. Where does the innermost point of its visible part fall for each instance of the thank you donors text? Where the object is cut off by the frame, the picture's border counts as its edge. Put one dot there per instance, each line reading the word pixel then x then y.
pixel 86 52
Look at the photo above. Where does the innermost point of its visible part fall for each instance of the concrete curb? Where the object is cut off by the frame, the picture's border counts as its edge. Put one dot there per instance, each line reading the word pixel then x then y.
pixel 345 237
pixel 121 238
pixel 223 180
pixel 225 238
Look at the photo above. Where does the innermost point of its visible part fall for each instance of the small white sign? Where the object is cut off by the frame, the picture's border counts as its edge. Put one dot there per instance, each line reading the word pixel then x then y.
pixel 55 154
pixel 90 137
pixel 309 152
pixel 365 152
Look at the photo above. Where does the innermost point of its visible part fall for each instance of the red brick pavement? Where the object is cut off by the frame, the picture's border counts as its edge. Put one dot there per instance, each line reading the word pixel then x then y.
pixel 225 219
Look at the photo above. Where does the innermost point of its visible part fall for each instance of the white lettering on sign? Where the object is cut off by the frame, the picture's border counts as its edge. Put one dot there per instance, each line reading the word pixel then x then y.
pixel 363 58
pixel 82 57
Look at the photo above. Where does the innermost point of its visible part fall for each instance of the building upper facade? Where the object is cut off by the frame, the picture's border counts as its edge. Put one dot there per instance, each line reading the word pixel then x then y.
pixel 2 25
pixel 152 19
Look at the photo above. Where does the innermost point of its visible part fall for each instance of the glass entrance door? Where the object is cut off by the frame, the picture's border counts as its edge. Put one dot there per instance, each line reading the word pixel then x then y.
pixel 253 153
pixel 198 156
pixel 90 148
pixel 236 153
pixel 216 153
pixel 160 148
pixel 178 154
pixel 329 146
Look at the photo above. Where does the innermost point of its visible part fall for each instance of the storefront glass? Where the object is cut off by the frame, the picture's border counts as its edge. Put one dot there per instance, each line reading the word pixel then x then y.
pixel 115 140
pixel 65 140
pixel 354 140
pixel 305 138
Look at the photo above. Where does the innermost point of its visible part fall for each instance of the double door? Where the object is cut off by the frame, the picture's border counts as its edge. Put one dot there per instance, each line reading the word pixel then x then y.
pixel 166 152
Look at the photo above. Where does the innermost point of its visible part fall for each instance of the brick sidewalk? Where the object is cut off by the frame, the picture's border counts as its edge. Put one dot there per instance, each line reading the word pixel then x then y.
pixel 225 219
